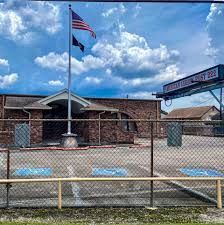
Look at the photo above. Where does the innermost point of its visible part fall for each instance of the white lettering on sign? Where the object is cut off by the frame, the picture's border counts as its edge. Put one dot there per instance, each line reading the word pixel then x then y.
pixel 189 81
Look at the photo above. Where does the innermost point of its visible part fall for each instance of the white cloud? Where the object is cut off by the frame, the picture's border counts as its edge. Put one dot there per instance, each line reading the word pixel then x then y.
pixel 11 25
pixel 202 99
pixel 127 59
pixel 130 57
pixel 122 8
pixel 169 73
pixel 137 10
pixel 109 12
pixel 108 71
pixel 53 61
pixel 142 95
pixel 93 80
pixel 4 62
pixel 34 13
pixel 59 62
pixel 119 10
pixel 8 80
pixel 215 31
pixel 56 83
pixel 215 9
pixel 19 20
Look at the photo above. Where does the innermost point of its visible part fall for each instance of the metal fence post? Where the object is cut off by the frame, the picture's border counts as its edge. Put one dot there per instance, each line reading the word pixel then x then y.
pixel 8 185
pixel 152 166
pixel 59 195
pixel 99 124
pixel 219 194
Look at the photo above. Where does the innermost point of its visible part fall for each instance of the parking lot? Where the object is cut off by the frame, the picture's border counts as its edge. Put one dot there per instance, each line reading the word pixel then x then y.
pixel 204 153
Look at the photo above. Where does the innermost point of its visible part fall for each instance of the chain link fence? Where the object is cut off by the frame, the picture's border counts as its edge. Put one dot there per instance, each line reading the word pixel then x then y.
pixel 111 148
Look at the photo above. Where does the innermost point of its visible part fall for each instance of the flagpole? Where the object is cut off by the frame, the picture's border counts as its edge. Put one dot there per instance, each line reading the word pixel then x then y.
pixel 69 139
pixel 69 75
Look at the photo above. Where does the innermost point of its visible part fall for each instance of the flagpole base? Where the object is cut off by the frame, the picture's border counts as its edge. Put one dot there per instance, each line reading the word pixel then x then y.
pixel 69 141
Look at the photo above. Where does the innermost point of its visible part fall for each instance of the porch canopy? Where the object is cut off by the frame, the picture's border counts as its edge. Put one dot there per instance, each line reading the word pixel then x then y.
pixel 78 104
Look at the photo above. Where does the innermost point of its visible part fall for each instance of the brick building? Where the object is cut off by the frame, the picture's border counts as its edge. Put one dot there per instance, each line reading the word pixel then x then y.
pixel 193 113
pixel 92 132
pixel 202 113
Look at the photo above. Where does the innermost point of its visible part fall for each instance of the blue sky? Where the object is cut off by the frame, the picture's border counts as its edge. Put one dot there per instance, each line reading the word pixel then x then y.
pixel 139 47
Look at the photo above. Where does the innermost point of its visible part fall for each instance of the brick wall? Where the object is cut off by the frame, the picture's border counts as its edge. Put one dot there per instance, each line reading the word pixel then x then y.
pixel 136 109
pixel 144 109
pixel 3 135
pixel 36 135
pixel 109 132
pixel 6 133
pixel 8 127
pixel 1 106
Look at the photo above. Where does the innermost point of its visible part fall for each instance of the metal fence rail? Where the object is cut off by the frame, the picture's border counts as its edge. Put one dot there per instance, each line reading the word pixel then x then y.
pixel 118 160
pixel 106 179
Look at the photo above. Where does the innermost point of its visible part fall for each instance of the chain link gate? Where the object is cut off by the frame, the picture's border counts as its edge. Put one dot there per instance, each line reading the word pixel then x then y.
pixel 22 135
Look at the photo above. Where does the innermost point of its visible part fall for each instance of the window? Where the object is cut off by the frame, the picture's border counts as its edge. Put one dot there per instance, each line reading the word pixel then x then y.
pixel 115 116
pixel 128 125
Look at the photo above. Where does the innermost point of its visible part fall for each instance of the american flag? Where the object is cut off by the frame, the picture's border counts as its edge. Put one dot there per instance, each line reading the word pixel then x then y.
pixel 79 23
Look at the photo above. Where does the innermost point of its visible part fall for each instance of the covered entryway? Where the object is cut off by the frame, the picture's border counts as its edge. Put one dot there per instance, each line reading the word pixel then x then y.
pixel 53 130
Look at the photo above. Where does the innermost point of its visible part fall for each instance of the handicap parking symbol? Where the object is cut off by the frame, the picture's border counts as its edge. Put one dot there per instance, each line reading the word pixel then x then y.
pixel 33 172
pixel 201 172
pixel 116 172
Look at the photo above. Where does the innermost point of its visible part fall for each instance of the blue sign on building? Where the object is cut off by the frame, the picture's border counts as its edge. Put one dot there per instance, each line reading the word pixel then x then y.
pixel 33 172
pixel 200 172
pixel 116 172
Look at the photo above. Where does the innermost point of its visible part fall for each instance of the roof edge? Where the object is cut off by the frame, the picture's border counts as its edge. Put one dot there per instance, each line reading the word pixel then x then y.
pixel 128 99
pixel 38 108
pixel 103 110
pixel 85 101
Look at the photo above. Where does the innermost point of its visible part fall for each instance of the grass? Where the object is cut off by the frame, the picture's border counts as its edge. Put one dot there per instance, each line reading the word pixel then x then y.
pixel 40 223
pixel 99 216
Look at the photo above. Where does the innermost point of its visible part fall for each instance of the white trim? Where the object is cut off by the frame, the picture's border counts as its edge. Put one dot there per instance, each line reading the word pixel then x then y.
pixel 12 107
pixel 37 108
pixel 102 109
pixel 63 95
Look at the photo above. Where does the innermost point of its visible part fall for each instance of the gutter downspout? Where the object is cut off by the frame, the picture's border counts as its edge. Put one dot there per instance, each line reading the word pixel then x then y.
pixel 157 118
pixel 29 113
pixel 99 124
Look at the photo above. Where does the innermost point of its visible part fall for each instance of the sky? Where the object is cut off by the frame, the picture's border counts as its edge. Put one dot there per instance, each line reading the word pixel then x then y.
pixel 139 47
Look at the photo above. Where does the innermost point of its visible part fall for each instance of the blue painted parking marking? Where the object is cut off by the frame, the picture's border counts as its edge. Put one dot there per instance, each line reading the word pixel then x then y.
pixel 199 172
pixel 116 172
pixel 34 172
